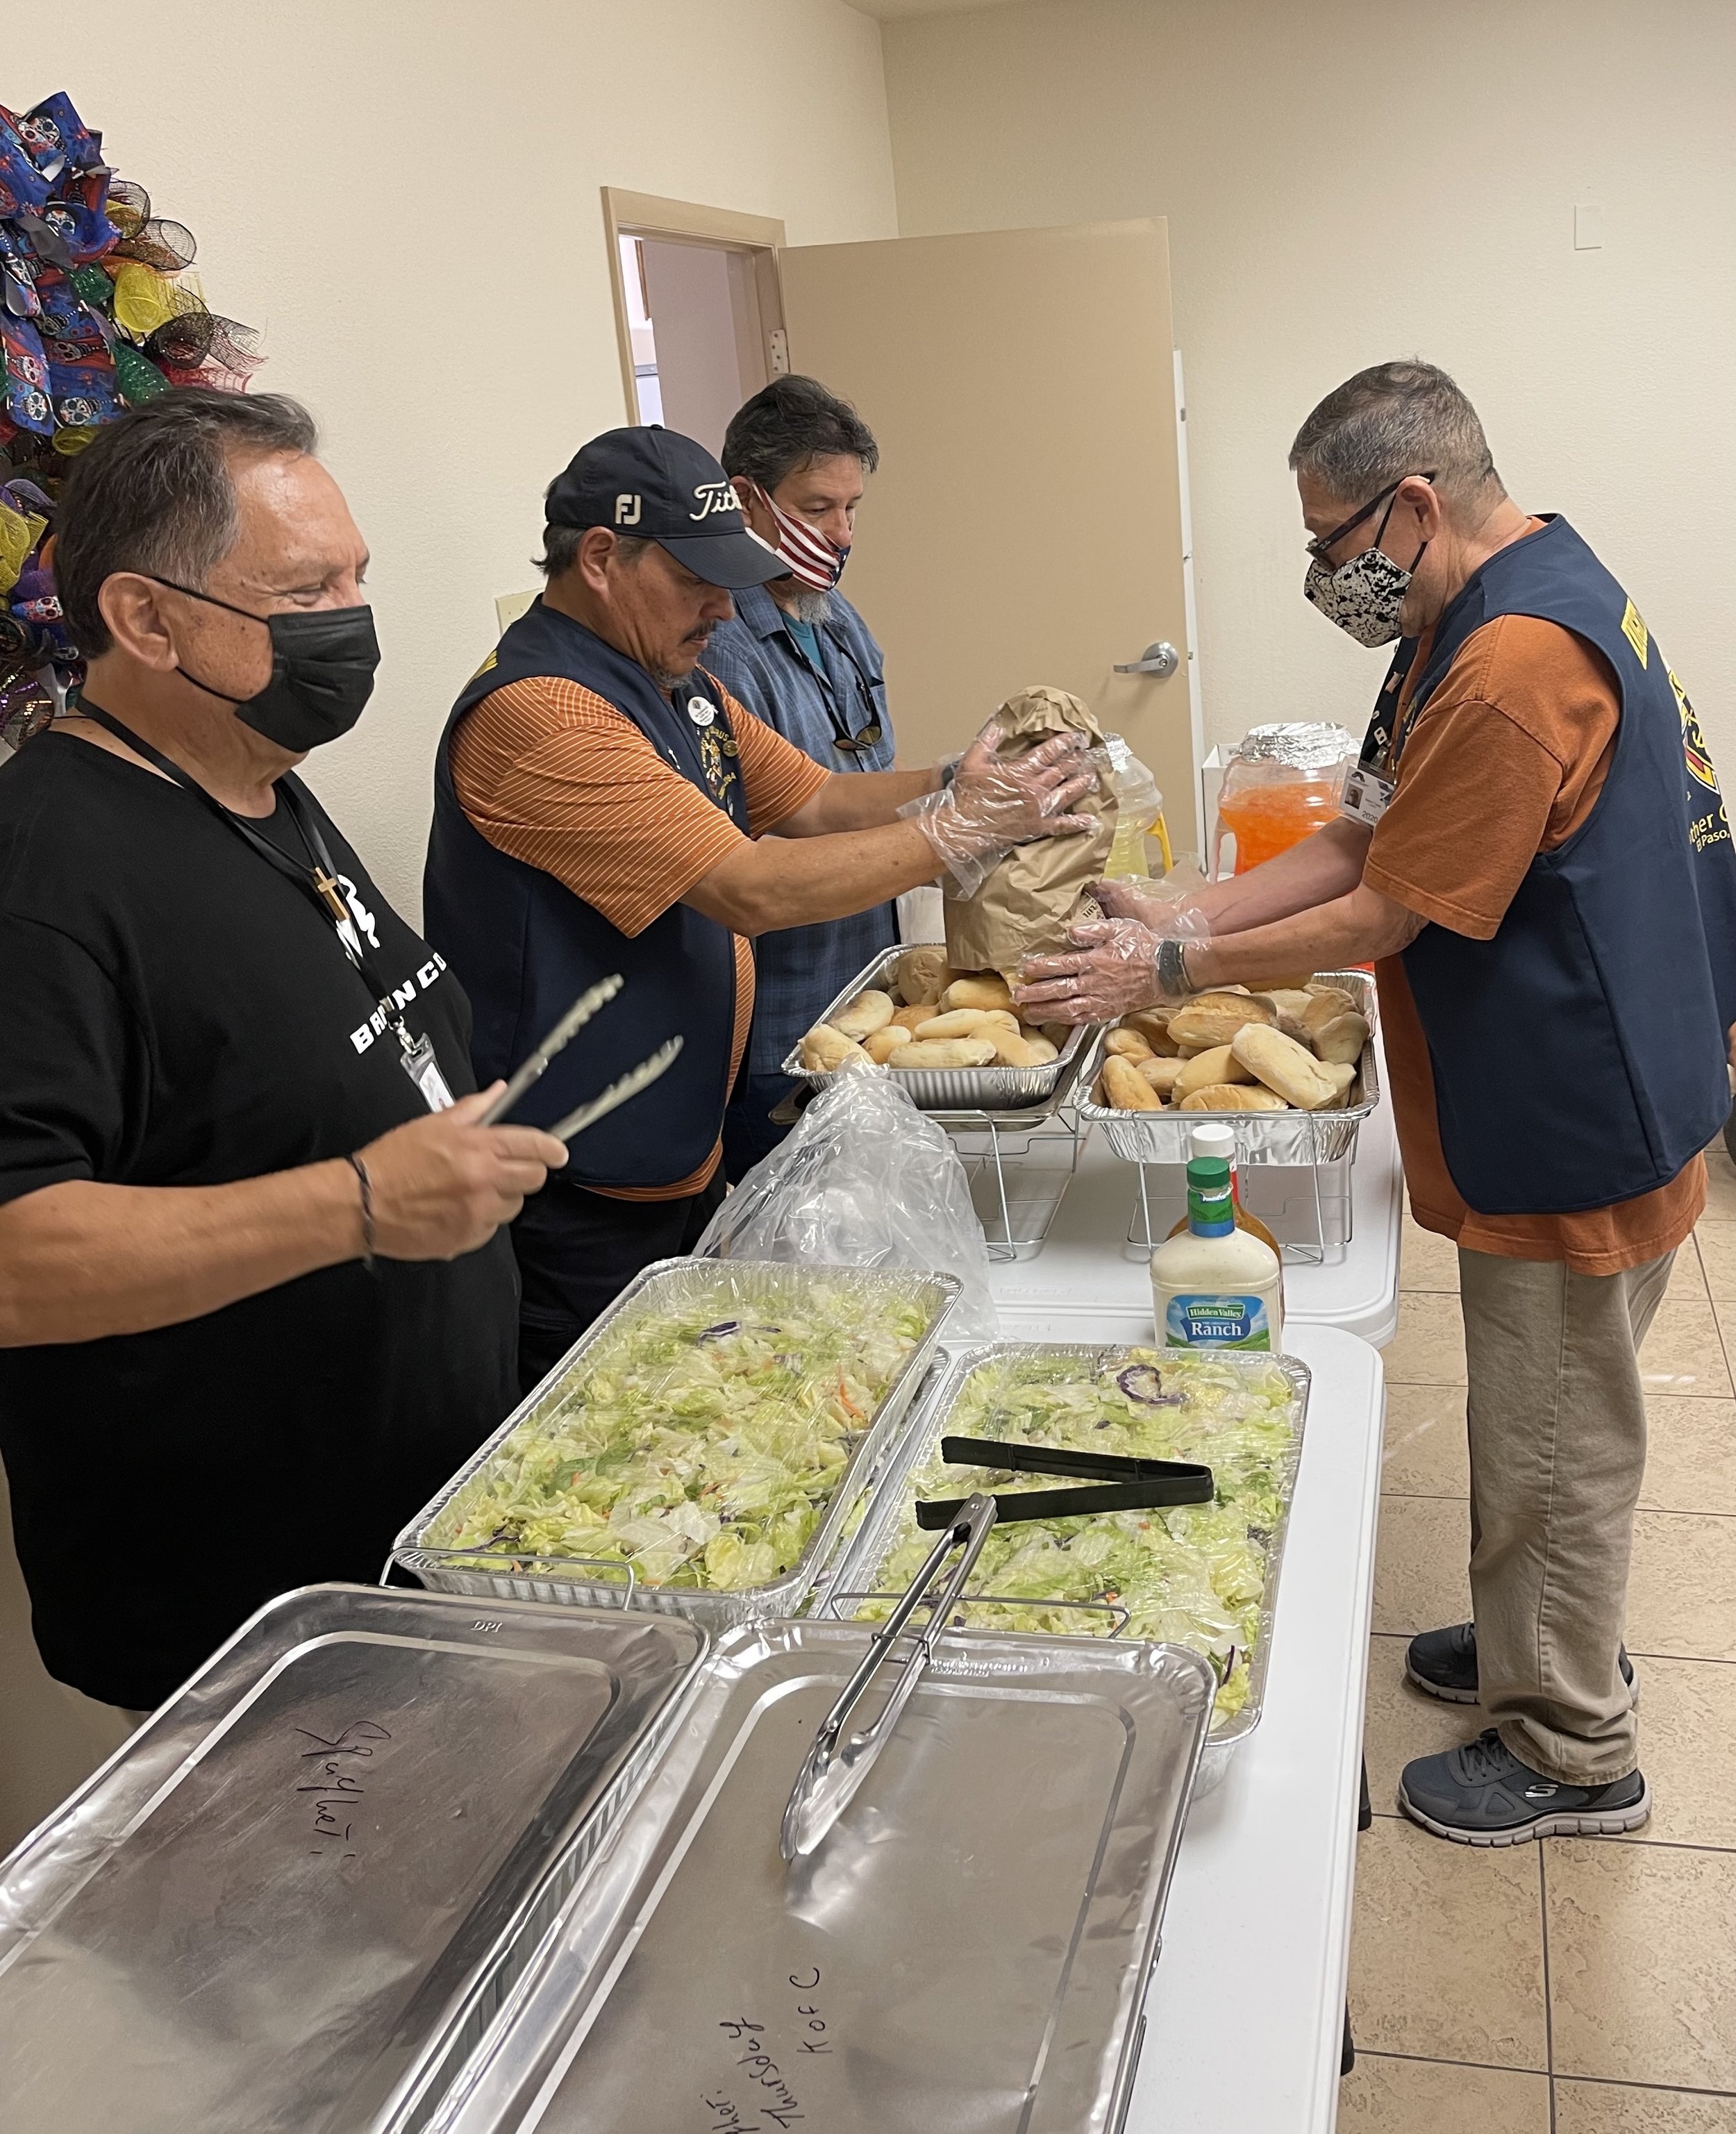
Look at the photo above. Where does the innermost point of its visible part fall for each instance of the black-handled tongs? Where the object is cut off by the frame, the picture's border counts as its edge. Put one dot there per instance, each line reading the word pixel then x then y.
pixel 1123 1484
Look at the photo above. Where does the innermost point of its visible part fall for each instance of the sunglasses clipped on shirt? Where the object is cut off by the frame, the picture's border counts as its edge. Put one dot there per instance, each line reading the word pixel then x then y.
pixel 1321 550
pixel 872 731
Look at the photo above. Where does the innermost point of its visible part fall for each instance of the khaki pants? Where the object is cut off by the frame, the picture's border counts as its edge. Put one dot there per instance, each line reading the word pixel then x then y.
pixel 1558 1448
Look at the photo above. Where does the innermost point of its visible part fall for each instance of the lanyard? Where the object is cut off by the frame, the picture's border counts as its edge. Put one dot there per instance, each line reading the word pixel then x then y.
pixel 318 879
pixel 843 740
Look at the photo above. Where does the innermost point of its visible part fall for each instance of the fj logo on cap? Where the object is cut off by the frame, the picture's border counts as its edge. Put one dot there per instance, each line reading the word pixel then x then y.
pixel 627 510
pixel 715 496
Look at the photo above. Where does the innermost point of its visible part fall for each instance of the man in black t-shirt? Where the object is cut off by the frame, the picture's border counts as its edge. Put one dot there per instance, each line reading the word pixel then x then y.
pixel 255 1301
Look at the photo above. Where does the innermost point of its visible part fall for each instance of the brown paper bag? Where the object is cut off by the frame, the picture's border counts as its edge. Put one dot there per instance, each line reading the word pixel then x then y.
pixel 1028 901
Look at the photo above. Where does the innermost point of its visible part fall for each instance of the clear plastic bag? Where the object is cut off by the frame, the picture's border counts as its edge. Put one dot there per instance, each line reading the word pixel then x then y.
pixel 865 1180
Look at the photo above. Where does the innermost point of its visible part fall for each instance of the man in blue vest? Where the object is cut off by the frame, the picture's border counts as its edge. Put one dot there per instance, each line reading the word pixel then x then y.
pixel 601 806
pixel 1535 847
pixel 798 656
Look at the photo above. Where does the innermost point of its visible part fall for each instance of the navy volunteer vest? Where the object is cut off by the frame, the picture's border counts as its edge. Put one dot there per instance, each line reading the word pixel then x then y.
pixel 1579 1056
pixel 525 946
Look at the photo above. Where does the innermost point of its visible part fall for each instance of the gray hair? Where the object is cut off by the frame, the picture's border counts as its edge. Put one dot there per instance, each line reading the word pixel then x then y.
pixel 560 549
pixel 152 493
pixel 1395 419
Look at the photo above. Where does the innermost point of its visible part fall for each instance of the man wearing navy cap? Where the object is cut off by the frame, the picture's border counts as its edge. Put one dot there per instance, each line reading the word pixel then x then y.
pixel 602 804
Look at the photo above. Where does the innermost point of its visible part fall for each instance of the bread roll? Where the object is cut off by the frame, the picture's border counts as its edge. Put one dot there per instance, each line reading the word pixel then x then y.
pixel 1046 1047
pixel 1012 1050
pixel 1344 1074
pixel 881 1045
pixel 1126 1089
pixel 987 990
pixel 1127 1044
pixel 1056 1033
pixel 1219 1065
pixel 1160 1073
pixel 1210 1019
pixel 1325 1003
pixel 1152 1024
pixel 867 1012
pixel 1234 1097
pixel 921 974
pixel 944 1052
pixel 825 1048
pixel 968 1022
pixel 1285 1066
pixel 1342 1039
pixel 1282 981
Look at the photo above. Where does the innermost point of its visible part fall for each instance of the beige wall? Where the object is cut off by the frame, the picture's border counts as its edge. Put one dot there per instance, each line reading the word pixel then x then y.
pixel 1372 178
pixel 404 195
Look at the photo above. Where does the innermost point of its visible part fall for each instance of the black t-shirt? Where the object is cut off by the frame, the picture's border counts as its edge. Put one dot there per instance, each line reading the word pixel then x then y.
pixel 175 1011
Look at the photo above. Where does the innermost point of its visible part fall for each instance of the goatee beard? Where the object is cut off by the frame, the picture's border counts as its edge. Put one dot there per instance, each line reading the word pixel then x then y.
pixel 807 605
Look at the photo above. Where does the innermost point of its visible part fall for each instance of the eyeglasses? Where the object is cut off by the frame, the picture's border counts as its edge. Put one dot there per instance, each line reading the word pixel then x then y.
pixel 871 732
pixel 1319 549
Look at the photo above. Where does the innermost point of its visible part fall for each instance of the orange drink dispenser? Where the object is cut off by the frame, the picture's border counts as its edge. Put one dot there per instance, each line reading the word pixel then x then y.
pixel 1282 782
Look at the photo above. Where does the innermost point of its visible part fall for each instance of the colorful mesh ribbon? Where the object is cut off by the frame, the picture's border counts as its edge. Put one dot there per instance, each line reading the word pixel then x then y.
pixel 97 314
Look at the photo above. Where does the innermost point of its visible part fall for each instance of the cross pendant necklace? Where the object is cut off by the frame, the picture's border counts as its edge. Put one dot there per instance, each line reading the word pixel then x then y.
pixel 330 895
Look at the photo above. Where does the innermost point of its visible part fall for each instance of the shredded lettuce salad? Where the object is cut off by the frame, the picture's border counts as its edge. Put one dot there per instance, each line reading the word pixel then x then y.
pixel 698 1443
pixel 1188 1574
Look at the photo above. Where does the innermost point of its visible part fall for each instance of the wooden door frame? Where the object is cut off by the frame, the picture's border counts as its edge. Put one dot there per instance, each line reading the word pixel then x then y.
pixel 647 215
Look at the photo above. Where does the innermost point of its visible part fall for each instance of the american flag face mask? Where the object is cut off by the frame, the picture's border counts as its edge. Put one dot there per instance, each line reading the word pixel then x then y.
pixel 813 559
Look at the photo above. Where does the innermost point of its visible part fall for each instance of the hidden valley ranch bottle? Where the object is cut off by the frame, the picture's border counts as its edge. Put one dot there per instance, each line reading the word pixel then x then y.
pixel 1215 1285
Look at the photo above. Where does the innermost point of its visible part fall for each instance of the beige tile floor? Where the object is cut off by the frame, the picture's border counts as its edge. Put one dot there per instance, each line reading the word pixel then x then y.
pixel 1576 1986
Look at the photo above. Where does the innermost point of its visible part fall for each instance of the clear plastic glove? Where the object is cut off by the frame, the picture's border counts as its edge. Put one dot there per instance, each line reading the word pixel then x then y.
pixel 1111 971
pixel 1177 904
pixel 996 801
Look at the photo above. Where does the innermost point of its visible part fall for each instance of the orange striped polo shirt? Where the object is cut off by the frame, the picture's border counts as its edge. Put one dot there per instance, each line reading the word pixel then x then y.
pixel 554 775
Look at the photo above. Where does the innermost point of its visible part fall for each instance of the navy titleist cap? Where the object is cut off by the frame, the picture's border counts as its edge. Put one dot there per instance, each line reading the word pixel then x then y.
pixel 658 485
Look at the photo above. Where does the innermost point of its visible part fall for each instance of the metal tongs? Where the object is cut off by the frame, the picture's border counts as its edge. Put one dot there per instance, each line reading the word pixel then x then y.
pixel 1125 1485
pixel 835 1767
pixel 533 1068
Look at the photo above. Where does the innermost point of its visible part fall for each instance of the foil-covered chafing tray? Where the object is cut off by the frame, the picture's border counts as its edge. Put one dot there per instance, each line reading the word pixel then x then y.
pixel 968 1946
pixel 289 1902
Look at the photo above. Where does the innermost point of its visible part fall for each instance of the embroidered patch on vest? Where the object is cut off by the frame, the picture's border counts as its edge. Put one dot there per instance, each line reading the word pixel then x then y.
pixel 492 660
pixel 1634 631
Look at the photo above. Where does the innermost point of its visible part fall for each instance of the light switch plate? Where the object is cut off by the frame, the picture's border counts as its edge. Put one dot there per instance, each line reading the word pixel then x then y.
pixel 510 606
pixel 1587 228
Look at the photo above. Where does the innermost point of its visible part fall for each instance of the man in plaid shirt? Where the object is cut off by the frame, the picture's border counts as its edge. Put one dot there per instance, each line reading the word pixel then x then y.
pixel 799 655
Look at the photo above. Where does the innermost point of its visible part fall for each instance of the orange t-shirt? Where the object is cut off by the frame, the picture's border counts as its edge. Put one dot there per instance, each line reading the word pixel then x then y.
pixel 1505 760
pixel 555 775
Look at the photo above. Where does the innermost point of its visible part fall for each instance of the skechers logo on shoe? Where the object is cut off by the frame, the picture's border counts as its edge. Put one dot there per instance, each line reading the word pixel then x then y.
pixel 1544 1789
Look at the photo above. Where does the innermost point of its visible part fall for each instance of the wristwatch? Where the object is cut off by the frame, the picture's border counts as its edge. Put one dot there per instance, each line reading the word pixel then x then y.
pixel 1172 970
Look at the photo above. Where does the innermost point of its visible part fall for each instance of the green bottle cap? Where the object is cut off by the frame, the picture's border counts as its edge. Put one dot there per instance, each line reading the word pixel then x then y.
pixel 1209 1174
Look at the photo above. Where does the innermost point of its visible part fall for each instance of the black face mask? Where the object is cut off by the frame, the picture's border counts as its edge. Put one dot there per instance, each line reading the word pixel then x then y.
pixel 323 661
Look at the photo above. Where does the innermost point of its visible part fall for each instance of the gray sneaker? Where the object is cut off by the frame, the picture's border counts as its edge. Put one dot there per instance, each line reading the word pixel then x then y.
pixel 1482 1794
pixel 1444 1663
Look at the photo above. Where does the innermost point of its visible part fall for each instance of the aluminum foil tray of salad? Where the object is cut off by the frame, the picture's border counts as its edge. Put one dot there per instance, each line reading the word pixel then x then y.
pixel 698 1451
pixel 1202 1576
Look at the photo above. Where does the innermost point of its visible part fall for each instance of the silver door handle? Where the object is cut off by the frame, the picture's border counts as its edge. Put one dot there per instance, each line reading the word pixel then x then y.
pixel 1161 659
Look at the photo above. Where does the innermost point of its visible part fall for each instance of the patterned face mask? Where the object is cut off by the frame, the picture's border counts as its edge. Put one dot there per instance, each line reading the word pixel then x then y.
pixel 1364 596
pixel 813 559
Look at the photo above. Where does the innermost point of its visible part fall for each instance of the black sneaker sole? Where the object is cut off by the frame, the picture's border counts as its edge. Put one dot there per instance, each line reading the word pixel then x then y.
pixel 1579 1822
pixel 1440 1690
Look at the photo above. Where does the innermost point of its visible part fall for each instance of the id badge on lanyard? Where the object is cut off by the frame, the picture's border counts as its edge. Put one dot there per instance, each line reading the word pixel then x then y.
pixel 418 1062
pixel 1368 796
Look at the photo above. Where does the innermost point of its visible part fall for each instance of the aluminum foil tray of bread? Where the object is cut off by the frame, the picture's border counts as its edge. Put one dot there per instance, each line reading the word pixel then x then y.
pixel 1293 1070
pixel 953 1038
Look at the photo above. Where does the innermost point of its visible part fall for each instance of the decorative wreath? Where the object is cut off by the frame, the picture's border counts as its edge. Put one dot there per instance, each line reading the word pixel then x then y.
pixel 97 314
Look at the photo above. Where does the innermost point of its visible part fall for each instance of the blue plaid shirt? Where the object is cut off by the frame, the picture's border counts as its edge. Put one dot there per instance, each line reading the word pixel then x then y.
pixel 801 969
